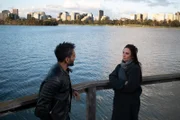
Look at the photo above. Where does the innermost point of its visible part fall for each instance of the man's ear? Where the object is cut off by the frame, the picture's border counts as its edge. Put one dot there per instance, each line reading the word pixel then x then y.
pixel 66 60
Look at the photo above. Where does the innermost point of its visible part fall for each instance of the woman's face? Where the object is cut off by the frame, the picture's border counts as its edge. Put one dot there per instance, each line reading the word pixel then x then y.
pixel 126 54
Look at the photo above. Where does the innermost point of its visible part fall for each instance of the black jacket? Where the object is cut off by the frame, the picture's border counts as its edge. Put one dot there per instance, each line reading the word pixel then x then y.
pixel 134 79
pixel 126 102
pixel 55 95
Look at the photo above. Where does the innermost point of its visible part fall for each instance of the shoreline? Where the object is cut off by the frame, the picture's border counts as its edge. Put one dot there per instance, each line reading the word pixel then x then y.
pixel 127 25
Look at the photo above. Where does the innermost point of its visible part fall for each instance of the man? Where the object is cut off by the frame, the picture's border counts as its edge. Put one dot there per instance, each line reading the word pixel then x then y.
pixel 54 101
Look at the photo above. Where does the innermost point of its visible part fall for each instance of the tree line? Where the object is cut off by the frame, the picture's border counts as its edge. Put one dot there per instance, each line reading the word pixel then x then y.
pixel 53 22
pixel 32 21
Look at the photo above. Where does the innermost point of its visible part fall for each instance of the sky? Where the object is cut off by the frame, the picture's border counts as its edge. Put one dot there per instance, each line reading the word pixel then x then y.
pixel 115 9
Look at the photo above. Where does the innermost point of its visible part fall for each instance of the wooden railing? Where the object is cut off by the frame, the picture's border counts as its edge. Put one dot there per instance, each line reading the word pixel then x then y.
pixel 89 88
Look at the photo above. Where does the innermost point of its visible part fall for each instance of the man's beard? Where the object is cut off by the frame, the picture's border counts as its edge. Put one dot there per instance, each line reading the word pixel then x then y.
pixel 71 64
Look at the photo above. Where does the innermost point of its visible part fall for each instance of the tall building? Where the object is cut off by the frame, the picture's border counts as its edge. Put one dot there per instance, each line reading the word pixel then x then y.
pixel 132 17
pixel 68 18
pixel 1 16
pixel 105 18
pixel 4 14
pixel 158 17
pixel 78 16
pixel 177 16
pixel 139 17
pixel 101 13
pixel 38 15
pixel 48 17
pixel 43 17
pixel 87 17
pixel 29 16
pixel 135 17
pixel 145 16
pixel 15 11
pixel 169 17
pixel 64 16
pixel 73 16
pixel 91 16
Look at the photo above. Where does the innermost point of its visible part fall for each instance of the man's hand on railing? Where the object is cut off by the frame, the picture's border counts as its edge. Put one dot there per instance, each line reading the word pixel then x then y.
pixel 76 95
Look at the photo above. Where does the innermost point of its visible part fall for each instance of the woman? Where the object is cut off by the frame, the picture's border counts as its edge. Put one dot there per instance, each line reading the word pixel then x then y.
pixel 126 81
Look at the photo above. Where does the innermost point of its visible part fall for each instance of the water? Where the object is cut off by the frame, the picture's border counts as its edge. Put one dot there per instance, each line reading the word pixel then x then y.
pixel 26 54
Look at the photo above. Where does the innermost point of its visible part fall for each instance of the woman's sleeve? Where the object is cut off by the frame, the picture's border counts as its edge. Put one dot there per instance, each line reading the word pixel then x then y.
pixel 133 80
pixel 113 78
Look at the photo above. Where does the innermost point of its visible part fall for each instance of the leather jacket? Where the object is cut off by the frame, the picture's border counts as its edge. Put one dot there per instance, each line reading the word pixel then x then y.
pixel 54 101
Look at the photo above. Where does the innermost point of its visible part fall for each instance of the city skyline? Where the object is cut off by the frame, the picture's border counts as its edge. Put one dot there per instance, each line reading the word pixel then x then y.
pixel 115 9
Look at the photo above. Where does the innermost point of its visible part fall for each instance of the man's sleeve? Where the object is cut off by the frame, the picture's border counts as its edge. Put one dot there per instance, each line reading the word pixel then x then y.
pixel 49 89
pixel 46 95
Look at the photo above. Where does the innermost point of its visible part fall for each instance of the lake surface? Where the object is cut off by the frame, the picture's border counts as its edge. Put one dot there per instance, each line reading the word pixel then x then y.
pixel 27 53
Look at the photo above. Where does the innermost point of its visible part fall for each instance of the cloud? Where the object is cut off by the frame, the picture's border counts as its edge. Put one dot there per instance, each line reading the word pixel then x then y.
pixel 153 3
pixel 81 6
pixel 112 8
pixel 138 0
pixel 163 3
pixel 69 4
pixel 48 10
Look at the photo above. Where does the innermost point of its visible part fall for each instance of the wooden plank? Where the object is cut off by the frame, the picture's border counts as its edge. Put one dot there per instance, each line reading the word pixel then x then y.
pixel 91 104
pixel 146 80
pixel 30 101
pixel 13 105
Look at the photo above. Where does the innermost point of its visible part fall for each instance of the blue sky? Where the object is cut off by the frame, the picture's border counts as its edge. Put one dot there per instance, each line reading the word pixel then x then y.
pixel 113 8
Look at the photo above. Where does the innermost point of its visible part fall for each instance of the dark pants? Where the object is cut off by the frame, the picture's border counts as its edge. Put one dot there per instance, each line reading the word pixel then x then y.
pixel 125 108
pixel 68 118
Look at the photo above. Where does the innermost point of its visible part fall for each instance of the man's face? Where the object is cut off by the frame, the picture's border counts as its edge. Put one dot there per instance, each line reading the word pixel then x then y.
pixel 71 59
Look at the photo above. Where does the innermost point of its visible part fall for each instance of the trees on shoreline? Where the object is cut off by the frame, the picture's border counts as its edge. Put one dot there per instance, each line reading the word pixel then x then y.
pixel 53 22
pixel 31 21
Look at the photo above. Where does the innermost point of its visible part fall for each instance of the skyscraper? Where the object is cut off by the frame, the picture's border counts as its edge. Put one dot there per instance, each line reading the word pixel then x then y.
pixel 169 17
pixel 29 16
pixel 15 11
pixel 177 16
pixel 139 17
pixel 4 14
pixel 145 16
pixel 101 13
pixel 158 16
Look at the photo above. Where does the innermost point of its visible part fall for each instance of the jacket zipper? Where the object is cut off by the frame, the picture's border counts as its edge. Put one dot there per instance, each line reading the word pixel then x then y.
pixel 53 107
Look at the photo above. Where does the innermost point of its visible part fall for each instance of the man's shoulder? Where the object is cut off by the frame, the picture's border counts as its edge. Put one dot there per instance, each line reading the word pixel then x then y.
pixel 54 73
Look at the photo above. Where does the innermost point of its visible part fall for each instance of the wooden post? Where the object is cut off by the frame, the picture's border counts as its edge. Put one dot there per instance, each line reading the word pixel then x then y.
pixel 91 104
pixel 90 88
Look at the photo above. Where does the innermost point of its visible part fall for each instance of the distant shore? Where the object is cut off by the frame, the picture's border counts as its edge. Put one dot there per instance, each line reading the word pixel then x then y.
pixel 31 22
pixel 147 24
pixel 127 25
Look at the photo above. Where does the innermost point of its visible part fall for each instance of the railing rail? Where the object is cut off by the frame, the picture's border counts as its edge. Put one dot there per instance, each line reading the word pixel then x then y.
pixel 89 88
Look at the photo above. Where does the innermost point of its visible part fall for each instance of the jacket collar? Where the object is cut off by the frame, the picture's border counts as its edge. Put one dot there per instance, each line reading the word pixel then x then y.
pixel 67 71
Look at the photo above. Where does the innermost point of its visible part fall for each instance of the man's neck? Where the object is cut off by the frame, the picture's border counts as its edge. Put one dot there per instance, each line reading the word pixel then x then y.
pixel 63 65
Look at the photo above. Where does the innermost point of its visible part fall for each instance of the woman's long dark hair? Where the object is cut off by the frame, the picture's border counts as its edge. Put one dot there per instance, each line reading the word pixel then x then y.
pixel 134 51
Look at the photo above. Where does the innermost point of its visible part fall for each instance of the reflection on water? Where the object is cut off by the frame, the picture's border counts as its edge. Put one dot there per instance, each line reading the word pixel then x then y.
pixel 27 54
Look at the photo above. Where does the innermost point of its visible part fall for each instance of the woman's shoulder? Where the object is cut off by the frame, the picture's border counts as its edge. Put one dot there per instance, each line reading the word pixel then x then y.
pixel 134 67
pixel 118 66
